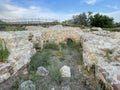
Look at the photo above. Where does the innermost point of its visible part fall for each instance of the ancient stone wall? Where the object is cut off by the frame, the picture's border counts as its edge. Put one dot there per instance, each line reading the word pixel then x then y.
pixel 100 48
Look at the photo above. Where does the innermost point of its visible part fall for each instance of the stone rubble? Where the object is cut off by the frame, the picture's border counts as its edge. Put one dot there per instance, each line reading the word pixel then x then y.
pixel 66 87
pixel 27 85
pixel 96 29
pixel 42 71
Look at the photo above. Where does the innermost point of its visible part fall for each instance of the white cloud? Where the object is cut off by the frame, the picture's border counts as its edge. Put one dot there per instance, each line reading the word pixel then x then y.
pixel 90 2
pixel 11 11
pixel 112 7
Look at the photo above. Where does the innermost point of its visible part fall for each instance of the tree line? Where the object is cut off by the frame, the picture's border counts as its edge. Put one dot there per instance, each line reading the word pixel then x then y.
pixel 90 20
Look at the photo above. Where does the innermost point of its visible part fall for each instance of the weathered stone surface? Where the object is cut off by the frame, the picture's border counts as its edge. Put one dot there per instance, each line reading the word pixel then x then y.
pixel 42 71
pixel 116 86
pixel 4 77
pixel 52 88
pixel 4 67
pixel 27 85
pixel 66 87
pixel 65 71
pixel 96 29
pixel 102 48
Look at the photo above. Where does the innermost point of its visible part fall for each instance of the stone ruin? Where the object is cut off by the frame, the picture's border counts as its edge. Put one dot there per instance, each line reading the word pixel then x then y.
pixel 100 48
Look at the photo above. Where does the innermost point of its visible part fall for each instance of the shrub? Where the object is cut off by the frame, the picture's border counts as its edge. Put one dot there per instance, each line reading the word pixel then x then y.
pixel 4 53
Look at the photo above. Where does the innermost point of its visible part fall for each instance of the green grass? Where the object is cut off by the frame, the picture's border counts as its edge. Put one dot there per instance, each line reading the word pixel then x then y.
pixel 44 86
pixel 39 59
pixel 12 28
pixel 51 45
pixel 4 53
pixel 55 73
pixel 60 54
pixel 73 45
pixel 63 45
pixel 34 77
pixel 112 29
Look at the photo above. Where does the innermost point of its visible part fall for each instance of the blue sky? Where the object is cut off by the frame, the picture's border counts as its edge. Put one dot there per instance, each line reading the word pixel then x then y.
pixel 57 9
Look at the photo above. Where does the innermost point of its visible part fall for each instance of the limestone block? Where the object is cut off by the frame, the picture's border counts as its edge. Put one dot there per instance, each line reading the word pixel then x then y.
pixel 65 71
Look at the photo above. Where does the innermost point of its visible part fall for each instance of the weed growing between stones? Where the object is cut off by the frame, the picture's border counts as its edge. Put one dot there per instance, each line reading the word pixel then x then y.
pixel 73 45
pixel 44 86
pixel 34 77
pixel 63 45
pixel 51 45
pixel 99 84
pixel 4 53
pixel 107 54
pixel 59 54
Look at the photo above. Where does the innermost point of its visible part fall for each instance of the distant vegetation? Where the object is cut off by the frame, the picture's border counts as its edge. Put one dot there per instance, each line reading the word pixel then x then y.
pixel 90 20
pixel 82 20
pixel 102 21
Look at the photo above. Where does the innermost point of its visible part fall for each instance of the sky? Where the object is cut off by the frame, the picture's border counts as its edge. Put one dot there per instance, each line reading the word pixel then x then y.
pixel 57 9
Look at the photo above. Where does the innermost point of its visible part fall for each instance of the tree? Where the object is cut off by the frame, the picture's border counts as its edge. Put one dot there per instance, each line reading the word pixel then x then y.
pixel 89 17
pixel 80 19
pixel 117 24
pixel 102 21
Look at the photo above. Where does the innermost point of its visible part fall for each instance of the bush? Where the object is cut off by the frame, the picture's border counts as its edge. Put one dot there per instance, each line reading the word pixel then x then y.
pixel 4 53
